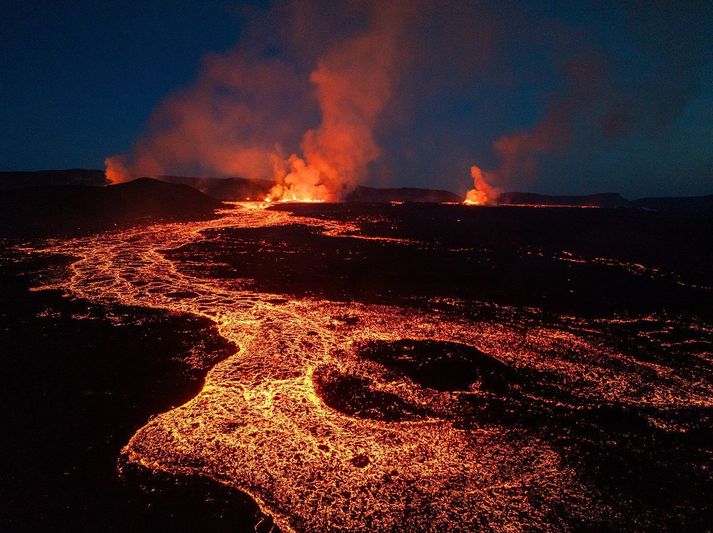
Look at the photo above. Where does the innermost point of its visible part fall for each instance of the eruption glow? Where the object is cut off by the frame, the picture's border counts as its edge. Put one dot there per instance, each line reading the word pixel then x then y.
pixel 483 192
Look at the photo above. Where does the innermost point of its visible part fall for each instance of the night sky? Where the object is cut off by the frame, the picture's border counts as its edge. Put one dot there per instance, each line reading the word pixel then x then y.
pixel 555 96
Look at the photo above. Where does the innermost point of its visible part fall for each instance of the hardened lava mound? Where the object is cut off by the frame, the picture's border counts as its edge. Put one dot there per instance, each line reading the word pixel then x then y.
pixel 441 365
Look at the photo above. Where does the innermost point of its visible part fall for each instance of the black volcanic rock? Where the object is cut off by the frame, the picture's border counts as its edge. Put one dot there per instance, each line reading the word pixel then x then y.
pixel 440 365
pixel 229 189
pixel 357 396
pixel 43 178
pixel 589 200
pixel 82 209
pixel 511 255
pixel 402 194
pixel 691 205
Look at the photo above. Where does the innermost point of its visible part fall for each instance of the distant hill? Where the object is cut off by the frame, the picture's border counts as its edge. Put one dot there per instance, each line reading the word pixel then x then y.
pixel 402 194
pixel 681 204
pixel 239 189
pixel 40 178
pixel 590 200
pixel 228 189
pixel 82 209
pixel 692 205
pixel 225 189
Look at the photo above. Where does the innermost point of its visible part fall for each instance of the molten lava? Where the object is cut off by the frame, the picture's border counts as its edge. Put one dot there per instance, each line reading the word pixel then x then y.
pixel 324 437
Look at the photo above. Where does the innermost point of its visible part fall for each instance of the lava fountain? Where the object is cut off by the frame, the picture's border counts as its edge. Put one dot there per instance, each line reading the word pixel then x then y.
pixel 483 193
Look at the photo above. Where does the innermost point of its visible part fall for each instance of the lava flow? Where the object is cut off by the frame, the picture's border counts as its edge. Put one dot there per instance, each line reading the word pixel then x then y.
pixel 328 419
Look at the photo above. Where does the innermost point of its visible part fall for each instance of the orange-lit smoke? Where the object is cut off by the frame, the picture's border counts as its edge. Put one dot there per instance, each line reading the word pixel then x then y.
pixel 240 118
pixel 354 82
pixel 230 122
pixel 482 193
pixel 519 151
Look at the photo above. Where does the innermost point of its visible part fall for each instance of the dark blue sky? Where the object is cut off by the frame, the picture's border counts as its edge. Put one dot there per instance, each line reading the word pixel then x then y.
pixel 79 78
pixel 610 96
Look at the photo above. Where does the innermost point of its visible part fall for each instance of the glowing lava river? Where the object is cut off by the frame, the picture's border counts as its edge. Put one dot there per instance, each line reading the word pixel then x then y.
pixel 355 415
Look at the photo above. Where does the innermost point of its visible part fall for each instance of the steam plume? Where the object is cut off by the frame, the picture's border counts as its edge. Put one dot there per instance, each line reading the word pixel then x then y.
pixel 240 117
pixel 399 90
pixel 482 193
pixel 518 151
pixel 354 82
pixel 231 121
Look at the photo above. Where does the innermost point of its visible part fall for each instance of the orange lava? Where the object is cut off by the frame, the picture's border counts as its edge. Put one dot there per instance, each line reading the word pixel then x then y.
pixel 258 424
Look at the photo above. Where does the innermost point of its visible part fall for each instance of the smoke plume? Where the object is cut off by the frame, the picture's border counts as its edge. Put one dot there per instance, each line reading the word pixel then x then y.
pixel 607 101
pixel 242 116
pixel 518 152
pixel 354 82
pixel 321 96
pixel 482 193
pixel 231 121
